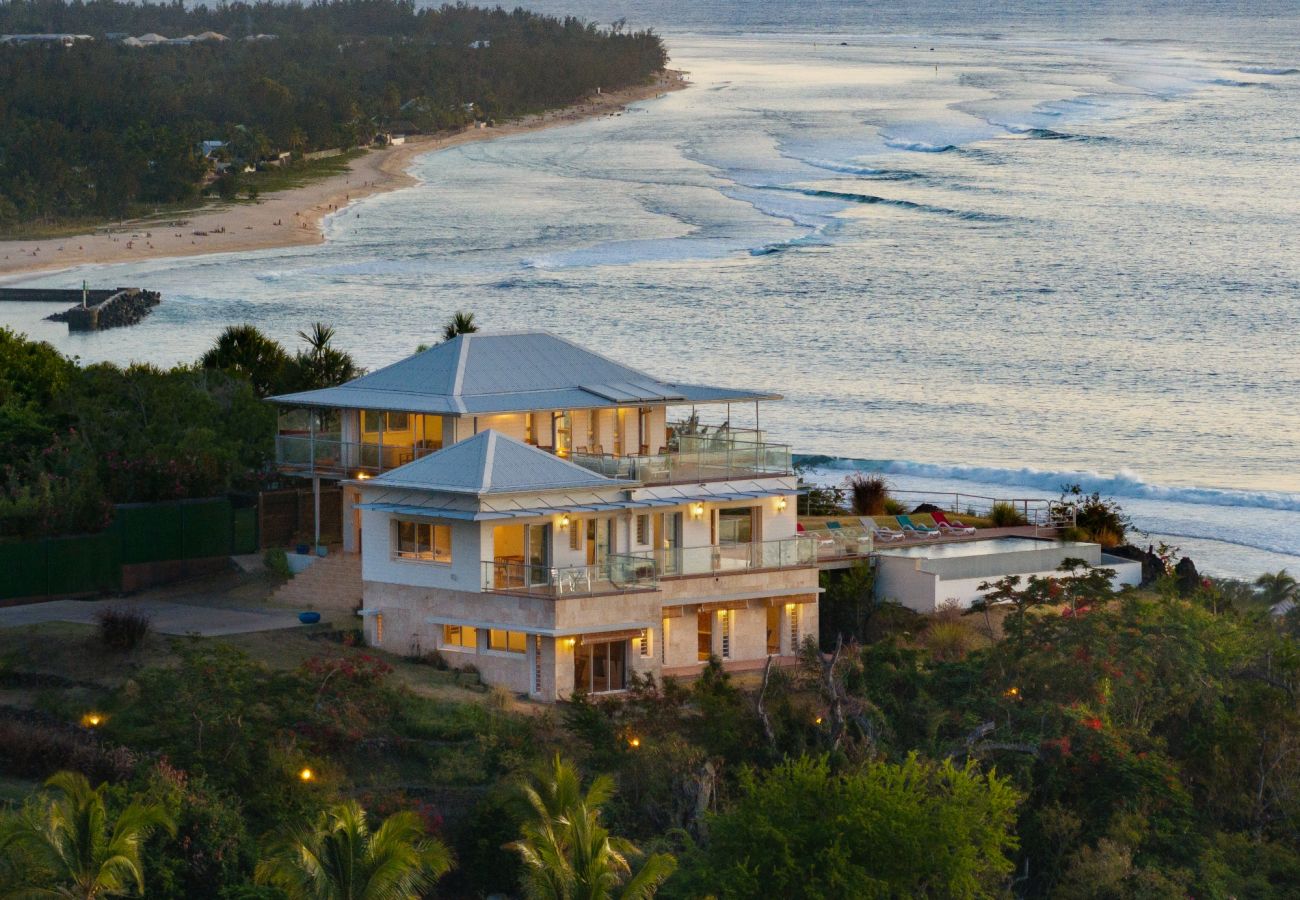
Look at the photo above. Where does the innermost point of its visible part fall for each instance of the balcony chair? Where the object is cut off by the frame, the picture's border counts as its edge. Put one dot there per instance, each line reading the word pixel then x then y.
pixel 840 533
pixel 950 526
pixel 914 528
pixel 822 540
pixel 880 532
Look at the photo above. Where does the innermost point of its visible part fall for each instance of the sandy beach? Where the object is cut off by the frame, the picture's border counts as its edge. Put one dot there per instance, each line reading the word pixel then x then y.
pixel 291 217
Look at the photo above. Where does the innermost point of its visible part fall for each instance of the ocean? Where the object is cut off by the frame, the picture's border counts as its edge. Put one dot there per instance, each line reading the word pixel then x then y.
pixel 992 249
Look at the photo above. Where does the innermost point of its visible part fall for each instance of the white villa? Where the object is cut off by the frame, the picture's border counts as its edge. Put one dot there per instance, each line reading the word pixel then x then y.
pixel 534 509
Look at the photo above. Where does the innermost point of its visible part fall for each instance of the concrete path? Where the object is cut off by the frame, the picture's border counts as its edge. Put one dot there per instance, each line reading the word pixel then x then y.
pixel 167 618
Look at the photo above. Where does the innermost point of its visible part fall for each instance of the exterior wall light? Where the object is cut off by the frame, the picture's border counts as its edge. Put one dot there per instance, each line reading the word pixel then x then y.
pixel 780 504
pixel 363 476
pixel 564 521
pixel 697 511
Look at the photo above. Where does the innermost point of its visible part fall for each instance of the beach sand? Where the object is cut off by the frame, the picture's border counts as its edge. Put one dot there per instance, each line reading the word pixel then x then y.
pixel 291 217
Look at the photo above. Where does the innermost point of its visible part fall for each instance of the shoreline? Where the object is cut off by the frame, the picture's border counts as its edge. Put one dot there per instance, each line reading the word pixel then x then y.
pixel 291 217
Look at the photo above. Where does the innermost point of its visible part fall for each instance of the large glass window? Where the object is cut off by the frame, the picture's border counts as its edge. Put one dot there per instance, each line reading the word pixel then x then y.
pixel 735 526
pixel 424 541
pixel 600 667
pixel 562 431
pixel 704 635
pixel 462 636
pixel 507 641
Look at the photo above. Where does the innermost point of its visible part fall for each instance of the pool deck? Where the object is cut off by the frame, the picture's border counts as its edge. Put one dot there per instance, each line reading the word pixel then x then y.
pixel 845 561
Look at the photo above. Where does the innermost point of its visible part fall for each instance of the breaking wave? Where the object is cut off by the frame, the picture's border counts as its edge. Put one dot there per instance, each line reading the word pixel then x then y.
pixel 1120 484
pixel 872 199
pixel 1267 70
pixel 919 146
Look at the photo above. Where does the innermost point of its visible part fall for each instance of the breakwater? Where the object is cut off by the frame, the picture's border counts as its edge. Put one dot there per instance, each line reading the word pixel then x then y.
pixel 92 310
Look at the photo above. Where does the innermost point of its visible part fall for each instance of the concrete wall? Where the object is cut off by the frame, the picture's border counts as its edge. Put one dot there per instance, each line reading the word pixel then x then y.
pixel 909 581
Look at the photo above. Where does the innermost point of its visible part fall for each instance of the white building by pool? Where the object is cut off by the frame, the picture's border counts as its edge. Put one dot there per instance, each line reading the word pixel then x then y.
pixel 925 576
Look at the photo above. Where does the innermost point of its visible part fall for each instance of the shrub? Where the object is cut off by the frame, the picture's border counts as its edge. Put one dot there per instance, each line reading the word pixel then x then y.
pixel 948 640
pixel 31 749
pixel 895 507
pixel 277 563
pixel 1004 514
pixel 122 629
pixel 1102 519
pixel 868 493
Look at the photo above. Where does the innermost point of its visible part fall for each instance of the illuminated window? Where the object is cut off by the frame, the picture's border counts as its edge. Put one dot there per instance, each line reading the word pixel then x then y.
pixel 792 609
pixel 379 628
pixel 663 644
pixel 703 635
pixel 575 535
pixel 537 664
pixel 643 644
pixel 462 636
pixel 424 541
pixel 507 641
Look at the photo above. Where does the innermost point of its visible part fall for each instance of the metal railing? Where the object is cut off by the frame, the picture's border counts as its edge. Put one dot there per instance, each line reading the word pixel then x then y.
pixel 616 575
pixel 725 559
pixel 698 463
pixel 328 454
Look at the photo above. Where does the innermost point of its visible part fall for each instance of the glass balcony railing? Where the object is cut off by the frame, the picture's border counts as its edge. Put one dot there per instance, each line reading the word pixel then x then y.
pixel 725 559
pixel 695 461
pixel 330 455
pixel 616 575
pixel 842 543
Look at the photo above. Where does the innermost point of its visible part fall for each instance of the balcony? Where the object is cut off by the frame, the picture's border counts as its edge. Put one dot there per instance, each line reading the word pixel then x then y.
pixel 731 559
pixel 695 461
pixel 616 575
pixel 306 454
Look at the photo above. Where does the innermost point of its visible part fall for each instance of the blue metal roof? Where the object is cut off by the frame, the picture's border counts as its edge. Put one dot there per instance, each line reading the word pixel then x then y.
pixel 480 374
pixel 493 463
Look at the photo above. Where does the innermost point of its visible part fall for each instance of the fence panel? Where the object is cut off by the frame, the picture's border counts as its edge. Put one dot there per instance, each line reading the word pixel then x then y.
pixel 243 530
pixel 22 569
pixel 205 528
pixel 149 531
pixel 83 564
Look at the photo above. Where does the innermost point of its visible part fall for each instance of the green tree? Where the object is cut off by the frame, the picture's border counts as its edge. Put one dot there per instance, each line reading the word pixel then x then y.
pixel 321 364
pixel 1278 587
pixel 914 829
pixel 341 858
pixel 458 324
pixel 75 847
pixel 245 352
pixel 568 854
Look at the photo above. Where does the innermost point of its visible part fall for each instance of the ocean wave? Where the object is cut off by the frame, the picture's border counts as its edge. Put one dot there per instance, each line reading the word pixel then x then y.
pixel 872 199
pixel 919 146
pixel 1120 484
pixel 1268 70
pixel 864 171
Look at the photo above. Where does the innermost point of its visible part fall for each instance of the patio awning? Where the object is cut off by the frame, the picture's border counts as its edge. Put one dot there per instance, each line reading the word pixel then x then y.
pixel 573 631
pixel 488 514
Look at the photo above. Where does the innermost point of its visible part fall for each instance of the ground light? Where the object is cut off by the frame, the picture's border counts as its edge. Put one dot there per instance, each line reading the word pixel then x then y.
pixel 93 720
pixel 306 775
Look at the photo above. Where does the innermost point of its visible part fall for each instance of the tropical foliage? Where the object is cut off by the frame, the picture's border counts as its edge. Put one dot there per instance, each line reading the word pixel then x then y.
pixel 342 858
pixel 100 128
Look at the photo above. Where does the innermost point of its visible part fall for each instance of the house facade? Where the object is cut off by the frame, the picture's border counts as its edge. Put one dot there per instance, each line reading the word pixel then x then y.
pixel 556 519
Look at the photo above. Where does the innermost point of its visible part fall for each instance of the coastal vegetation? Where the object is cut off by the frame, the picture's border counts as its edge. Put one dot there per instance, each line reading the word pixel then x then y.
pixel 103 129
pixel 1084 744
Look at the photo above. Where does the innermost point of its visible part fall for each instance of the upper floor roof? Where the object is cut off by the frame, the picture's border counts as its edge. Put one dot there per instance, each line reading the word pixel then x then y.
pixel 486 373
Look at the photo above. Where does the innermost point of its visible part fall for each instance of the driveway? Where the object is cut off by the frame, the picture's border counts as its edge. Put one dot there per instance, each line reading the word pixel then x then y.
pixel 167 618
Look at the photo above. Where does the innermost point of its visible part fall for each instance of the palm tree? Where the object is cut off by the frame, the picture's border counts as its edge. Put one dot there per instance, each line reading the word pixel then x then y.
pixel 460 323
pixel 72 848
pixel 1278 587
pixel 568 854
pixel 245 351
pixel 322 365
pixel 340 858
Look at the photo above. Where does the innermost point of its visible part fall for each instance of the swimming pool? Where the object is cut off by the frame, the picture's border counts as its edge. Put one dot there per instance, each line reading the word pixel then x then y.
pixel 972 548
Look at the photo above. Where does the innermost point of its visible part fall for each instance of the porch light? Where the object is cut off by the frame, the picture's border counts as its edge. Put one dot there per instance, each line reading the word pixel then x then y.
pixel 564 520
pixel 780 504
pixel 697 510
pixel 570 642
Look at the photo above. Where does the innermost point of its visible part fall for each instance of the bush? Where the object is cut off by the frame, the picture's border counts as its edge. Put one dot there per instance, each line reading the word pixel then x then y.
pixel 277 563
pixel 30 749
pixel 895 507
pixel 122 629
pixel 869 493
pixel 1004 514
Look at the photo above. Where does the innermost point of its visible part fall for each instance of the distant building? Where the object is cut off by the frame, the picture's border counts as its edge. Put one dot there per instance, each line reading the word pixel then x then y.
pixel 260 37
pixel 66 40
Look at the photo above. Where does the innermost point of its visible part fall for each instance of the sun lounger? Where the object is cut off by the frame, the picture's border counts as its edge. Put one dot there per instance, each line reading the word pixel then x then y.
pixel 952 526
pixel 838 530
pixel 880 532
pixel 913 528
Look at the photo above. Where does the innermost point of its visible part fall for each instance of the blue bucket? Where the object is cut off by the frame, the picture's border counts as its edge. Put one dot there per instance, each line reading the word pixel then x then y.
pixel 309 618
